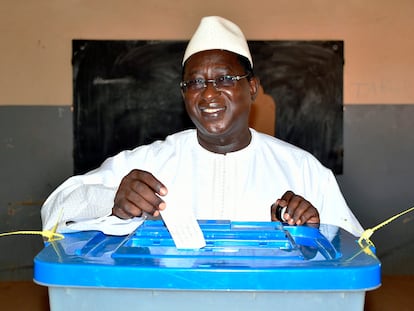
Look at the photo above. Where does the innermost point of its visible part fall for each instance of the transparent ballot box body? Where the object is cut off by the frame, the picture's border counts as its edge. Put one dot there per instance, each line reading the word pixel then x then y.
pixel 244 266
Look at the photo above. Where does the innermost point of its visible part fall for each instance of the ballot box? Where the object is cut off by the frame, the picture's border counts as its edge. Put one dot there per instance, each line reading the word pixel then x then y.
pixel 244 266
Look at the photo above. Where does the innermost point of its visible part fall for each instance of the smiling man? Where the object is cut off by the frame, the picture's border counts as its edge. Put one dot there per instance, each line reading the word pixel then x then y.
pixel 218 92
pixel 222 169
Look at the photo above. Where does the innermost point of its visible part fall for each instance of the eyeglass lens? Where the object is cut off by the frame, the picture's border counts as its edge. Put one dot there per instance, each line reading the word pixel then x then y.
pixel 221 82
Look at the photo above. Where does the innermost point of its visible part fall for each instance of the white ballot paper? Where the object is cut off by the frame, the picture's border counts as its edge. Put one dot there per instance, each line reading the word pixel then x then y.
pixel 184 229
pixel 180 219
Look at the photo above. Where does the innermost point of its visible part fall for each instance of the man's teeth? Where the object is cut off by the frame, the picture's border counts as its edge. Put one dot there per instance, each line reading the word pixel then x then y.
pixel 212 110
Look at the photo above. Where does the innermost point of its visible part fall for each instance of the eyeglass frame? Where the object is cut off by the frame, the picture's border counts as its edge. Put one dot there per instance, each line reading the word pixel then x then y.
pixel 184 87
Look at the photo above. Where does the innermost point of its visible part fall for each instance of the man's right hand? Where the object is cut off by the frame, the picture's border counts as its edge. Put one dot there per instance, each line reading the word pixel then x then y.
pixel 139 192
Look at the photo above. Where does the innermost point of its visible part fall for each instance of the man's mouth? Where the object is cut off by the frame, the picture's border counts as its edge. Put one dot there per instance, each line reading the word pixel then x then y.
pixel 212 110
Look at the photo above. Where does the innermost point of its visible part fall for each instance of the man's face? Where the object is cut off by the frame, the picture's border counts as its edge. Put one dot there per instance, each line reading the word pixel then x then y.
pixel 220 115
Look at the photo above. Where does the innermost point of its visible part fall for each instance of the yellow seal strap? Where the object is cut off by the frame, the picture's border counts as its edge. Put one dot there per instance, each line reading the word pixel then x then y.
pixel 49 235
pixel 365 241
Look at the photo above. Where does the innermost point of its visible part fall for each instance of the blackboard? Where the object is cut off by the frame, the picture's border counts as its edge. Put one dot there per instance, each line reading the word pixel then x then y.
pixel 126 93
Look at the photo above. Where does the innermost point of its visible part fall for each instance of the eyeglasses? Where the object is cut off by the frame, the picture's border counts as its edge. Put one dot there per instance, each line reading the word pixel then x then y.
pixel 220 83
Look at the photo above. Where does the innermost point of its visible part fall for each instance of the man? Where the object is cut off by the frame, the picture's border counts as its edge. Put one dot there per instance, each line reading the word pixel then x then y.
pixel 220 170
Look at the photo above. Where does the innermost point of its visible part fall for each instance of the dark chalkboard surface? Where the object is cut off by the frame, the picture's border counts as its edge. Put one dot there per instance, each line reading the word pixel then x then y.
pixel 126 93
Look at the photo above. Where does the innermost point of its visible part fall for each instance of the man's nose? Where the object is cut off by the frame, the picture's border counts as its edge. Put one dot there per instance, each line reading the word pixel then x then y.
pixel 210 88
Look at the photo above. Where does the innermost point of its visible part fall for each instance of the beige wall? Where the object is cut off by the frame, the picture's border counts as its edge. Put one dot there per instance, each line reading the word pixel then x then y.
pixel 35 62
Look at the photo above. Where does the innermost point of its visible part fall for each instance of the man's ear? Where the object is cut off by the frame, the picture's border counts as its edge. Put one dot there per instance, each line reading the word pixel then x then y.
pixel 254 87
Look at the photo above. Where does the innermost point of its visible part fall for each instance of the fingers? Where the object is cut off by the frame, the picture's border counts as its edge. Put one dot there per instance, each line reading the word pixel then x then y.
pixel 288 196
pixel 139 192
pixel 149 180
pixel 298 210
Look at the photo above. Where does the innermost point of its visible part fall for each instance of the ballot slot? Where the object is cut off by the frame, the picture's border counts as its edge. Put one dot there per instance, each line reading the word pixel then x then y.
pixel 235 242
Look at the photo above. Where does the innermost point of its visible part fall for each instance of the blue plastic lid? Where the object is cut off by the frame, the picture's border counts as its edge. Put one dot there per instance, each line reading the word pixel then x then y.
pixel 258 256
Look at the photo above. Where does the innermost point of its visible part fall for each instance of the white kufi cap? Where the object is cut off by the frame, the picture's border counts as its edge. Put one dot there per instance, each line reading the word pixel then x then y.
pixel 215 32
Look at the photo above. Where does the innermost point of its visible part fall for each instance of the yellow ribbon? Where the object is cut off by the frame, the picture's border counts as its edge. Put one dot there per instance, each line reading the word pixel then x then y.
pixel 365 242
pixel 49 235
